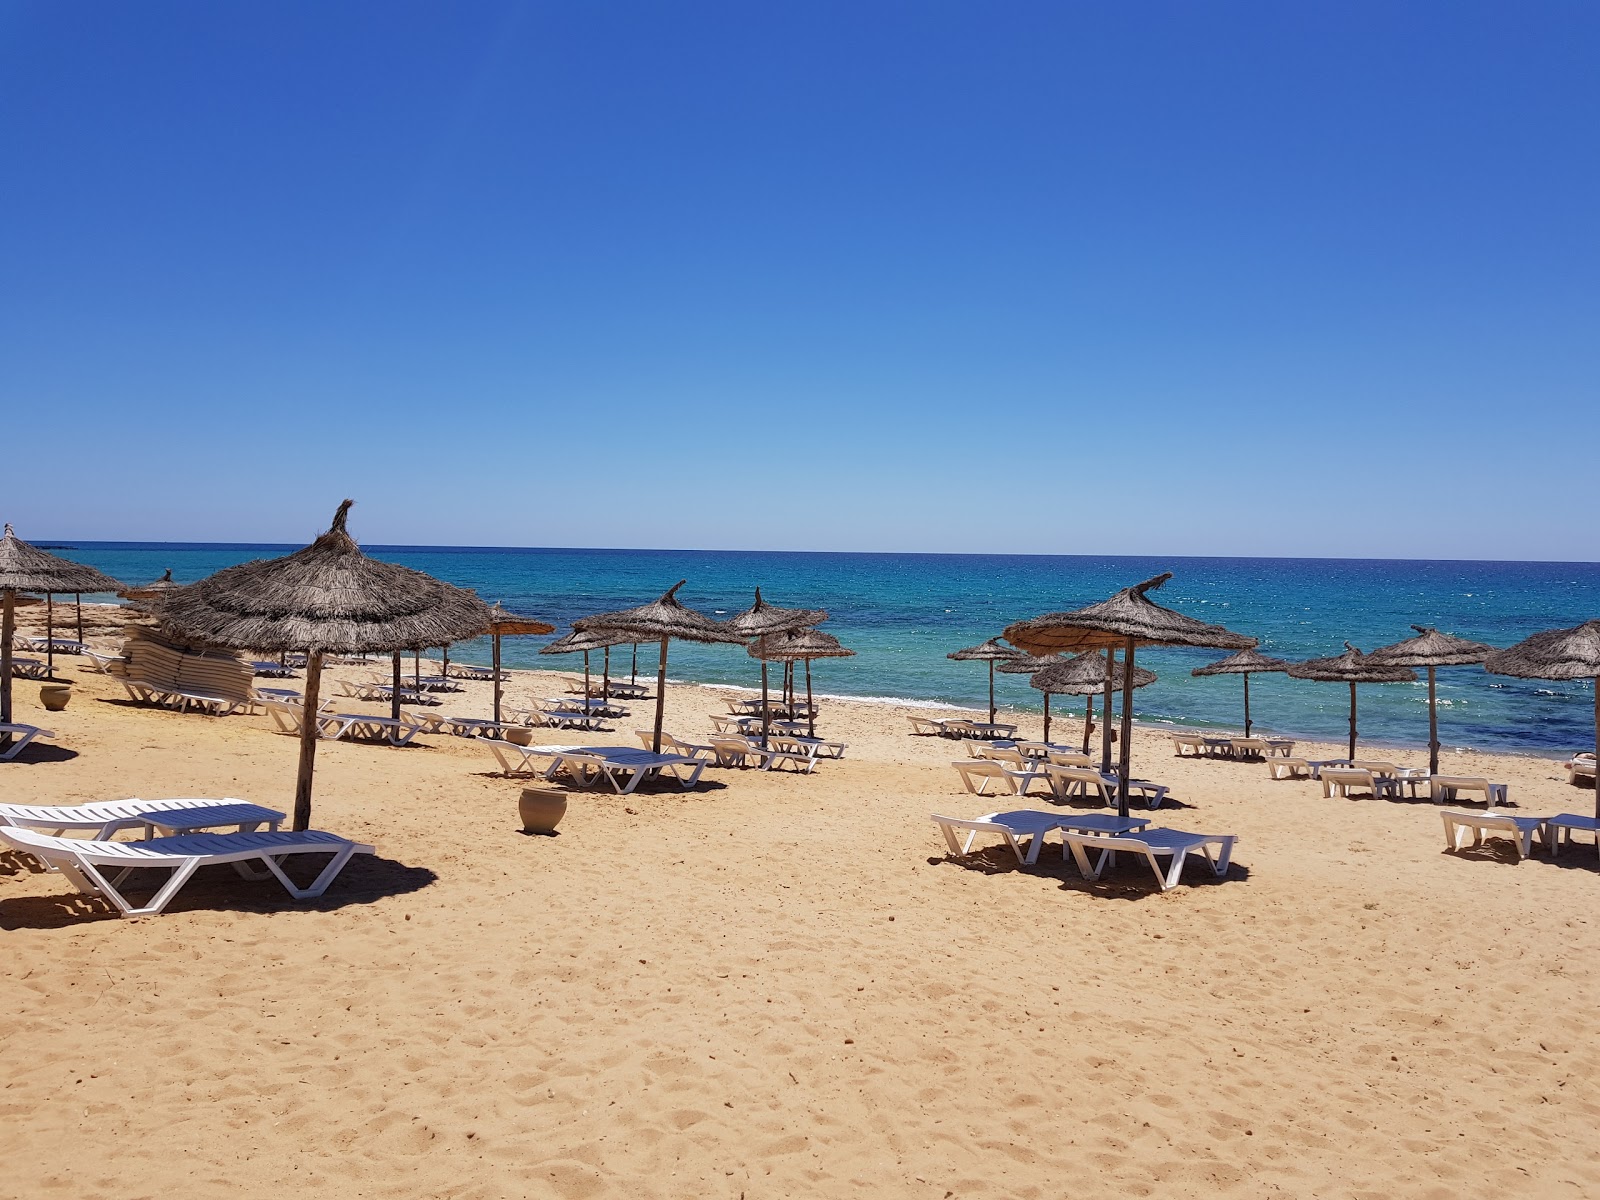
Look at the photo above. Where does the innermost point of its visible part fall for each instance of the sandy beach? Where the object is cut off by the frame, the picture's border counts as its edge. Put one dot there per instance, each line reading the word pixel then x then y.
pixel 778 985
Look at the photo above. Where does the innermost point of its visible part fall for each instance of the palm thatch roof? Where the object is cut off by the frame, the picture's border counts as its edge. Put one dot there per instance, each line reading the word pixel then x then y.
pixel 1351 667
pixel 991 651
pixel 663 618
pixel 1245 662
pixel 509 624
pixel 25 568
pixel 1028 664
pixel 1128 614
pixel 762 618
pixel 1554 654
pixel 327 597
pixel 1430 648
pixel 153 590
pixel 577 641
pixel 1084 675
pixel 800 645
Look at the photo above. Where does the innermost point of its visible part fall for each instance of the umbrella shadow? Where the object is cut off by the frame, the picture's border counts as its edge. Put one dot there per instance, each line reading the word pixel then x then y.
pixel 1129 879
pixel 365 880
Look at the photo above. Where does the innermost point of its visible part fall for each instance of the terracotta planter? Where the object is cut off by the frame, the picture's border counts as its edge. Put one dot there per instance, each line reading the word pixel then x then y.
pixel 541 809
pixel 522 737
pixel 54 696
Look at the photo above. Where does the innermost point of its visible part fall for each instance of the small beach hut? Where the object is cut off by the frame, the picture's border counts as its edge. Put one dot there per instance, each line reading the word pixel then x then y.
pixel 800 645
pixel 990 652
pixel 1432 649
pixel 1082 675
pixel 1558 654
pixel 1128 620
pixel 328 598
pixel 1247 663
pixel 25 568
pixel 761 620
pixel 1351 667
pixel 663 620
pixel 503 623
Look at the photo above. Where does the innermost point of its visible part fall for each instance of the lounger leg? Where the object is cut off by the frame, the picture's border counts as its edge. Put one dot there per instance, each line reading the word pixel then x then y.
pixel 158 902
pixel 318 885
pixel 1174 873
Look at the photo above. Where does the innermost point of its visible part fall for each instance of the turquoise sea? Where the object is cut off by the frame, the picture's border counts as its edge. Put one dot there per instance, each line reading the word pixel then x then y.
pixel 902 613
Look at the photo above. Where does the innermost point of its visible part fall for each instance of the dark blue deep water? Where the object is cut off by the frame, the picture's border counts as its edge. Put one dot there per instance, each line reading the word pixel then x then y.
pixel 903 612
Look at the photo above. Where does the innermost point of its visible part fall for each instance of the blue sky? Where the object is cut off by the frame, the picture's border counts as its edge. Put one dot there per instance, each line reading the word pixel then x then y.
pixel 1221 278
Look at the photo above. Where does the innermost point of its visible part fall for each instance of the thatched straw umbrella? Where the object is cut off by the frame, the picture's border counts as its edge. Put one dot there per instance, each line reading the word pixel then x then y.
pixel 990 652
pixel 800 645
pixel 1558 654
pixel 583 643
pixel 25 568
pixel 1027 664
pixel 1082 675
pixel 1247 663
pixel 664 619
pixel 1129 620
pixel 1351 667
pixel 326 598
pixel 1432 649
pixel 762 619
pixel 503 623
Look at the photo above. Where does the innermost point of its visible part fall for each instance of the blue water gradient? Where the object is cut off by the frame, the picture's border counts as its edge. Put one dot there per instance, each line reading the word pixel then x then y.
pixel 902 613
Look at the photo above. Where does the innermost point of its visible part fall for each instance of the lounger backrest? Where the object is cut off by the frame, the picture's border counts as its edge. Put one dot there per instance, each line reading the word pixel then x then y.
pixel 1375 767
pixel 1087 776
pixel 1067 758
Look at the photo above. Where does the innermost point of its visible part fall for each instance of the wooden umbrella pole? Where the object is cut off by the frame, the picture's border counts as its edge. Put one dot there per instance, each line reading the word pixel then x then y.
pixel 661 696
pixel 8 630
pixel 1433 724
pixel 811 709
pixel 1596 746
pixel 1124 752
pixel 991 691
pixel 394 701
pixel 586 683
pixel 1105 731
pixel 444 667
pixel 605 675
pixel 1247 704
pixel 1047 717
pixel 77 599
pixel 494 659
pixel 1352 718
pixel 308 741
pixel 50 634
pixel 633 676
pixel 416 671
pixel 1088 722
pixel 766 710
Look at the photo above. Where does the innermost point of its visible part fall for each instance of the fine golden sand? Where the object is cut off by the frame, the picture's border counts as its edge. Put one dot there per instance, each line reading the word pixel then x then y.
pixel 779 986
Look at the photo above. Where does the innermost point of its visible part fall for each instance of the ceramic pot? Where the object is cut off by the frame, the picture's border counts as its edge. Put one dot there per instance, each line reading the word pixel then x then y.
pixel 541 809
pixel 54 696
pixel 522 737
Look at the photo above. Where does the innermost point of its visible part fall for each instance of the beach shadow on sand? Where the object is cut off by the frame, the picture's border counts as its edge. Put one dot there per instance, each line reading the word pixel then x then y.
pixel 366 879
pixel 38 753
pixel 1130 879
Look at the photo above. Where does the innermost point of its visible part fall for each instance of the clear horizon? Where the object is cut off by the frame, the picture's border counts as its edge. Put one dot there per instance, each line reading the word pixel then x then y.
pixel 1250 279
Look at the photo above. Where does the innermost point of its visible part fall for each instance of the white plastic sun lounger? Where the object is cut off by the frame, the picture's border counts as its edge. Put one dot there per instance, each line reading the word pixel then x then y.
pixel 926 726
pixel 1445 787
pixel 1562 826
pixel 979 774
pixel 1086 781
pixel 734 751
pixel 102 661
pixel 801 744
pixel 21 735
pixel 100 867
pixel 1009 826
pixel 623 768
pixel 676 745
pixel 103 818
pixel 1458 822
pixel 1152 844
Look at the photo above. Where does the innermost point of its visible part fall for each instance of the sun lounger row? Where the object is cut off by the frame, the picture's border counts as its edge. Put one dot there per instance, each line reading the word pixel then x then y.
pixel 1086 834
pixel 985 777
pixel 1204 745
pixel 957 727
pixel 620 767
